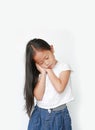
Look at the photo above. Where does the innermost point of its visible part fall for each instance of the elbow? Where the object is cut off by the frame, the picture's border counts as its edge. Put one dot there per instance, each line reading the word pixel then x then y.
pixel 38 97
pixel 60 89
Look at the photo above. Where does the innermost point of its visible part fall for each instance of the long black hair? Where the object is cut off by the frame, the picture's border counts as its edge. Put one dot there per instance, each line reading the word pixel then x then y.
pixel 31 72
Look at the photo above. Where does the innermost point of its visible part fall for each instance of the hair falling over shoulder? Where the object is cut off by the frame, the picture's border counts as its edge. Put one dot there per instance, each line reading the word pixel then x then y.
pixel 31 76
pixel 31 72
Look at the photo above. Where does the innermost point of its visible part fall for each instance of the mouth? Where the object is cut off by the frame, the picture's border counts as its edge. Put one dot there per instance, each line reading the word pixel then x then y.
pixel 50 66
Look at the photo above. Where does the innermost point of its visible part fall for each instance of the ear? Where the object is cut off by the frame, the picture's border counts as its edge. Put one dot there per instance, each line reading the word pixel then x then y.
pixel 52 48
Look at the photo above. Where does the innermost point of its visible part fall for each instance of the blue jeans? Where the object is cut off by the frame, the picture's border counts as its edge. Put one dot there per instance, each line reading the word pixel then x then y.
pixel 42 119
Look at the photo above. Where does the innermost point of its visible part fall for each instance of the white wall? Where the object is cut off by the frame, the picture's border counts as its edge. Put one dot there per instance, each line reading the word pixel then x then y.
pixel 70 27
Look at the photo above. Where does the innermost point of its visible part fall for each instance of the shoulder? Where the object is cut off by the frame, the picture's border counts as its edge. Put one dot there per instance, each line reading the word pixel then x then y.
pixel 65 71
pixel 64 66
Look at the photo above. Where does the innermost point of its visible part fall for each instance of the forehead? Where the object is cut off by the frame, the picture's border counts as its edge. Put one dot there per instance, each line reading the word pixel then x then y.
pixel 40 55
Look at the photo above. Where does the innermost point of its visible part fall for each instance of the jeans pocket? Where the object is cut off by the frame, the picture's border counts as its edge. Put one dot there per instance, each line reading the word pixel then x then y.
pixel 67 119
pixel 35 117
pixel 34 123
pixel 58 121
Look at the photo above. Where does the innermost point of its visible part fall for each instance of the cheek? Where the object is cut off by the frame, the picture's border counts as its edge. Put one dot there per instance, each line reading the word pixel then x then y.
pixel 44 66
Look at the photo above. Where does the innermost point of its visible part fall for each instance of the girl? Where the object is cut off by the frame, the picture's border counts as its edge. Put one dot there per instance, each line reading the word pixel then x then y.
pixel 47 81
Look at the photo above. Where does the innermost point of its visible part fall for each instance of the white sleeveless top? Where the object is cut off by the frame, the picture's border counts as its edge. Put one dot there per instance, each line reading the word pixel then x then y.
pixel 52 98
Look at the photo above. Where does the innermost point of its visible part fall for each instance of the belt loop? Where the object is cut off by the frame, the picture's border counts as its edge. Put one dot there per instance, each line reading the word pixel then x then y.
pixel 49 110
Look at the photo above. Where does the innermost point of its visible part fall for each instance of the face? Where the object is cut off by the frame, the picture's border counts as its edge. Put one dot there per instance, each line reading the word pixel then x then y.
pixel 45 58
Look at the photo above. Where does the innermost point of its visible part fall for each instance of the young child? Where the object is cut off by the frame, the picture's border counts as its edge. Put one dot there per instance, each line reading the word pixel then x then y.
pixel 48 82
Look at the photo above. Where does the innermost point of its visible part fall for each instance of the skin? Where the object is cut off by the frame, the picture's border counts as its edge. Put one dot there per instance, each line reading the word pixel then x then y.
pixel 45 61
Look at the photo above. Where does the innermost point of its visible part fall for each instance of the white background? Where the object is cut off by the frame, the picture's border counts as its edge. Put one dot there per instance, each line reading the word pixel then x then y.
pixel 67 24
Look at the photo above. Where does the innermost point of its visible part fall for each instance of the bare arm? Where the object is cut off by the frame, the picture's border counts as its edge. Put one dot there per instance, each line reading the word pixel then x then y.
pixel 40 86
pixel 60 82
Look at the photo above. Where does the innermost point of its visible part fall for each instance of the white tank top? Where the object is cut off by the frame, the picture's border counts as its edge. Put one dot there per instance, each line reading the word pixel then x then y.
pixel 52 98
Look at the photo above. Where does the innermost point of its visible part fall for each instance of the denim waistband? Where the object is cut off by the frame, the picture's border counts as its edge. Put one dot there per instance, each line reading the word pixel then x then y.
pixel 61 107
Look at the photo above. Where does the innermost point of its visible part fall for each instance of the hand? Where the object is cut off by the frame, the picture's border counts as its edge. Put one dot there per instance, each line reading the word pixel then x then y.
pixel 42 70
pixel 48 70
